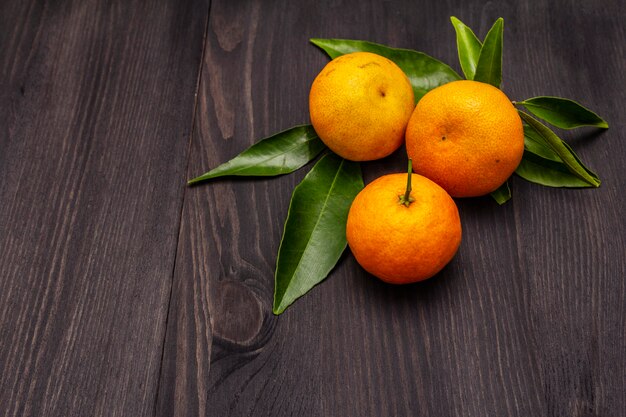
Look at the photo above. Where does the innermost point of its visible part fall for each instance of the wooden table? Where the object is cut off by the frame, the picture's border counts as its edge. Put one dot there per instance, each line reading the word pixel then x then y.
pixel 125 293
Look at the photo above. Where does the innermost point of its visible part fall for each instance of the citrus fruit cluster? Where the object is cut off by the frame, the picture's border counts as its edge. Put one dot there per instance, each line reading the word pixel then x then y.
pixel 464 138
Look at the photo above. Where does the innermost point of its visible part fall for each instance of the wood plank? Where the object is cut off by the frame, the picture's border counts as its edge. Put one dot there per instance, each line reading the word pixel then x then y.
pixel 572 244
pixel 96 105
pixel 527 320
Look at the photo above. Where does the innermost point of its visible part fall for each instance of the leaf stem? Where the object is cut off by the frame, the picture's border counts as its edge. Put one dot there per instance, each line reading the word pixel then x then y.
pixel 406 198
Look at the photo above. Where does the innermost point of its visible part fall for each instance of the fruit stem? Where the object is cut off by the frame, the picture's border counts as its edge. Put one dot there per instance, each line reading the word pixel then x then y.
pixel 406 198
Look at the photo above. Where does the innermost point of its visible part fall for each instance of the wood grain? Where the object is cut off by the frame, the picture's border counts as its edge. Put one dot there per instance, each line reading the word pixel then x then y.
pixel 527 320
pixel 96 104
pixel 125 293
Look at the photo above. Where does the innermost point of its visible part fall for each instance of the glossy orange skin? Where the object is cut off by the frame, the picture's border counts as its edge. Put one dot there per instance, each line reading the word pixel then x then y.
pixel 400 244
pixel 360 104
pixel 466 136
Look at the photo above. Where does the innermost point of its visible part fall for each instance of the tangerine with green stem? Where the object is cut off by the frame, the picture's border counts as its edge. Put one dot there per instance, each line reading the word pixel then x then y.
pixel 403 228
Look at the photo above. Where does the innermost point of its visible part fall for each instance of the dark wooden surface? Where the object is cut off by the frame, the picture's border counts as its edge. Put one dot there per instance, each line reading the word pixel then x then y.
pixel 96 104
pixel 122 292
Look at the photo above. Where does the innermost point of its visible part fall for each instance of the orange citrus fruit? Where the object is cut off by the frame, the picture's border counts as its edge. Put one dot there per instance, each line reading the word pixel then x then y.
pixel 360 104
pixel 403 241
pixel 466 136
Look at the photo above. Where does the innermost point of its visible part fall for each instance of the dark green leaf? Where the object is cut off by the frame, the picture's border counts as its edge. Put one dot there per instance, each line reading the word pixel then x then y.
pixel 562 149
pixel 424 72
pixel 489 66
pixel 563 113
pixel 468 47
pixel 542 165
pixel 543 171
pixel 315 229
pixel 534 143
pixel 502 194
pixel 282 153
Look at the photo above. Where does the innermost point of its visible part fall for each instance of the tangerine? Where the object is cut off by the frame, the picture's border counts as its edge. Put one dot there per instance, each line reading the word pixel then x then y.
pixel 403 233
pixel 360 104
pixel 466 136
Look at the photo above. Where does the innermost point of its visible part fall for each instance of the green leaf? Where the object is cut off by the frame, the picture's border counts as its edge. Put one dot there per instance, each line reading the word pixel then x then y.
pixel 546 172
pixel 315 230
pixel 541 165
pixel 279 154
pixel 424 72
pixel 534 143
pixel 563 150
pixel 562 112
pixel 468 46
pixel 489 66
pixel 502 194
